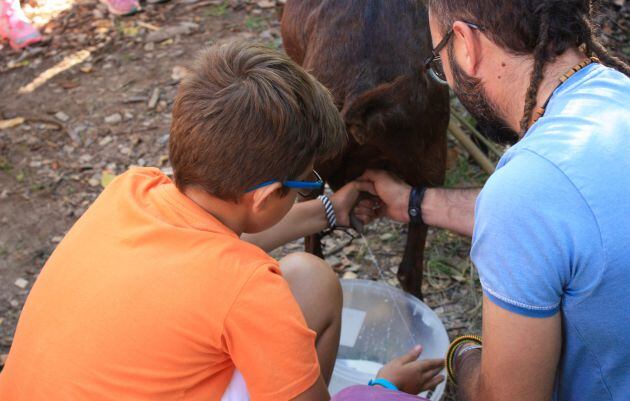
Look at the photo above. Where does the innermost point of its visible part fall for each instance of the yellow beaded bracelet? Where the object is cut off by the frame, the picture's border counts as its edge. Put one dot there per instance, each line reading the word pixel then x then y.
pixel 452 350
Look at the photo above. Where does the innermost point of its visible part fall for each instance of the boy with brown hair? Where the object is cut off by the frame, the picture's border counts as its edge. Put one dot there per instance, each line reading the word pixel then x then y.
pixel 153 295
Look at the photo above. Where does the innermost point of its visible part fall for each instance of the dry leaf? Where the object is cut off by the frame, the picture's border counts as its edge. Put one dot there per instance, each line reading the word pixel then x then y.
pixel 106 178
pixel 14 122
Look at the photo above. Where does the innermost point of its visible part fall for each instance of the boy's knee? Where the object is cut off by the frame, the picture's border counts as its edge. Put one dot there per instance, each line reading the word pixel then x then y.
pixel 307 273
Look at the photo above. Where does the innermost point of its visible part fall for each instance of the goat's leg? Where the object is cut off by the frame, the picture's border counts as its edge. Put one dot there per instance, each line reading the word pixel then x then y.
pixel 411 269
pixel 313 244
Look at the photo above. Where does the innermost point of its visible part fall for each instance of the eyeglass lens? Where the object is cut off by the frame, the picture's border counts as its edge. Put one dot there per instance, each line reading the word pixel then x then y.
pixel 437 68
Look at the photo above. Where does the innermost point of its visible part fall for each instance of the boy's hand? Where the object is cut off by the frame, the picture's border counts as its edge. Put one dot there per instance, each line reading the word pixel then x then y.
pixel 412 375
pixel 392 191
pixel 345 199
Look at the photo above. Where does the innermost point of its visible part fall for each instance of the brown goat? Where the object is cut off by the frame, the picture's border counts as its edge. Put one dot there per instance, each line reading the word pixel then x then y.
pixel 369 53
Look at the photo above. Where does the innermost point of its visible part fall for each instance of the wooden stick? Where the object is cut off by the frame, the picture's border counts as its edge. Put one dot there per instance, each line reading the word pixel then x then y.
pixel 478 134
pixel 471 148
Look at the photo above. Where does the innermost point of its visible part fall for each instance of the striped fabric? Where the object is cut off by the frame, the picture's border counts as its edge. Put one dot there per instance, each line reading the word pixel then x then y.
pixel 330 211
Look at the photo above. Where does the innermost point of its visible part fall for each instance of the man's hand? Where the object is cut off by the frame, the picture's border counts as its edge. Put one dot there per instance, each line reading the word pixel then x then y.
pixel 412 375
pixel 345 199
pixel 392 191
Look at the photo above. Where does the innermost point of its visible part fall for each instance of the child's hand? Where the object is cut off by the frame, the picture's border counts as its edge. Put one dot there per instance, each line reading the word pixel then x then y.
pixel 345 199
pixel 412 375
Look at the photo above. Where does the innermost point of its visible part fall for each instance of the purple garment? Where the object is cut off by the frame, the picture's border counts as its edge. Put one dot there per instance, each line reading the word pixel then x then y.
pixel 376 393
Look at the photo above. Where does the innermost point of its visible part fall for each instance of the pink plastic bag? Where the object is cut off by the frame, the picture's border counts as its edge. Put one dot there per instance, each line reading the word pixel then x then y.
pixel 376 393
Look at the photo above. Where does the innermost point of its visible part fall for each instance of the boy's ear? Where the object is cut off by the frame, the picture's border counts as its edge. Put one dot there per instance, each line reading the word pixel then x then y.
pixel 261 196
pixel 370 112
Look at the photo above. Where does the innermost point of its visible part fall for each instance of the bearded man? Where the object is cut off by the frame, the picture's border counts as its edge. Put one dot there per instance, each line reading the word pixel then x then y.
pixel 551 227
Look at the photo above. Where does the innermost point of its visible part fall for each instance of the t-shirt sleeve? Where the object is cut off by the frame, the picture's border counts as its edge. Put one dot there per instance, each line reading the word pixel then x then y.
pixel 268 340
pixel 532 230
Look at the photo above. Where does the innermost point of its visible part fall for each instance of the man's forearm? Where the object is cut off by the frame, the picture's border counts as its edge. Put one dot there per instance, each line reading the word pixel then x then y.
pixel 303 219
pixel 452 209
pixel 467 373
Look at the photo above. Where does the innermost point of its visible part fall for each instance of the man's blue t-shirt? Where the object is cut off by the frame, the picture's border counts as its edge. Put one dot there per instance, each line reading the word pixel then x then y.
pixel 552 231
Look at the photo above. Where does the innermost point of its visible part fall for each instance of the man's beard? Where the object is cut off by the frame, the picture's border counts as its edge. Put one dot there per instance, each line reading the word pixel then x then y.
pixel 472 95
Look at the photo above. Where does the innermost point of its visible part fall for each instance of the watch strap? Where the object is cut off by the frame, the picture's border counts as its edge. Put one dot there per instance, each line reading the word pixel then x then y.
pixel 415 204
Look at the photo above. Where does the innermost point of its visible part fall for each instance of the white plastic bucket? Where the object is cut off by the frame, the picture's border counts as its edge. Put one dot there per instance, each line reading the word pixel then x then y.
pixel 373 331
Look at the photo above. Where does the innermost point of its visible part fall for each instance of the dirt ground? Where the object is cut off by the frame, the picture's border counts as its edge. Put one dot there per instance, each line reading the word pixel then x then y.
pixel 95 98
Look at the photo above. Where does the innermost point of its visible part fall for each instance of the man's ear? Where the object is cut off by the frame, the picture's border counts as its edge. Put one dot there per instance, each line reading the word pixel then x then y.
pixel 467 47
pixel 370 112
pixel 261 196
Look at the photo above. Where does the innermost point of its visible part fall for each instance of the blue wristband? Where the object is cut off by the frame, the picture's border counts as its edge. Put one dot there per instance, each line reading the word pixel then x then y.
pixel 383 383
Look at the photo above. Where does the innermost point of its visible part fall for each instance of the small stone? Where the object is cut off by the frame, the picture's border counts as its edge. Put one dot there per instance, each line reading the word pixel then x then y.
pixel 128 116
pixel 162 105
pixel 86 158
pixel 61 116
pixel 149 47
pixel 113 118
pixel 105 140
pixel 142 162
pixel 21 283
pixel 75 133
pixel 68 149
pixel 3 359
pixel 266 3
pixel 94 182
pixel 14 303
pixel 353 268
pixel 56 239
pixel 35 163
pixel 350 276
pixel 163 139
pixel 386 237
pixel 333 261
pixel 267 35
pixel 153 100
pixel 178 73
pixel 87 68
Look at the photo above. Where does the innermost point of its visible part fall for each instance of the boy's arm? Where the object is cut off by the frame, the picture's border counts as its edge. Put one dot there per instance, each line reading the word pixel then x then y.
pixel 318 392
pixel 408 373
pixel 303 219
pixel 307 218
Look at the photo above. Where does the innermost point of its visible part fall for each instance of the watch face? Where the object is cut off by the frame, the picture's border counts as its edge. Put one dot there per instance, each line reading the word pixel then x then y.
pixel 413 212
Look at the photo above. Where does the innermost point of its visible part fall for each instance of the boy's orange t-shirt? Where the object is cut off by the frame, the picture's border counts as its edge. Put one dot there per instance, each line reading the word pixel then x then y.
pixel 148 297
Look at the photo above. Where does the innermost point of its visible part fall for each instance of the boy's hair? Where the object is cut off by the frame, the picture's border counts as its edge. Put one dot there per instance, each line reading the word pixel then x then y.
pixel 245 114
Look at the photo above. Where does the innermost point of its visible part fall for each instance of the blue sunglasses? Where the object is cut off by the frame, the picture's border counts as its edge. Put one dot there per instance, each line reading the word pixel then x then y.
pixel 306 188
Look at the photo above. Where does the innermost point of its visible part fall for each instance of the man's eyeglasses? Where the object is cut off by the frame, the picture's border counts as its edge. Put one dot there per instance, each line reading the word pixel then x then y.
pixel 433 64
pixel 305 188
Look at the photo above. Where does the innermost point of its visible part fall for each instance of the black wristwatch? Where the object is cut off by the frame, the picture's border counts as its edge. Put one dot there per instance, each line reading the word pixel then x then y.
pixel 415 204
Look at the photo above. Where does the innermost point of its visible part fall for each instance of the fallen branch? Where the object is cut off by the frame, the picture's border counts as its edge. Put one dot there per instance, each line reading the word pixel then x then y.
pixel 471 148
pixel 477 134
